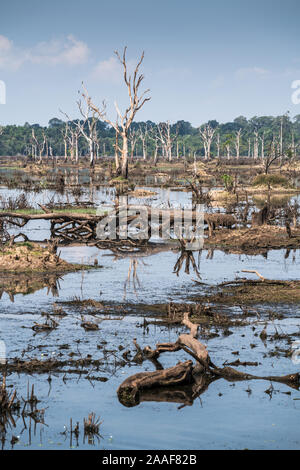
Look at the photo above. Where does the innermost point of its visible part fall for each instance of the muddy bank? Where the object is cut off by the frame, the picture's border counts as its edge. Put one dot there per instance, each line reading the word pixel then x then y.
pixel 253 240
pixel 31 257
pixel 247 292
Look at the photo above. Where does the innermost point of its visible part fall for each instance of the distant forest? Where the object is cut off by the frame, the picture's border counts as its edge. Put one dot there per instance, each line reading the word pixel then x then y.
pixel 187 140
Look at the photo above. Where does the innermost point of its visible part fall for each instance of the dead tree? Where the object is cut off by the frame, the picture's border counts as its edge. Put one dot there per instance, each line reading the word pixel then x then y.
pixel 88 128
pixel 166 138
pixel 218 145
pixel 40 145
pixel 46 148
pixel 64 133
pixel 207 134
pixel 237 142
pixel 71 140
pixel 272 155
pixel 227 148
pixel 132 140
pixel 255 145
pixel 143 133
pixel 136 101
pixel 71 135
pixel 117 148
pixel 262 140
pixel 177 149
pixel 154 136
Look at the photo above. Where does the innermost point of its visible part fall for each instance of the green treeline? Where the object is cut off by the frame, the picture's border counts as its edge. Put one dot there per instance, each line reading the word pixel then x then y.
pixel 17 140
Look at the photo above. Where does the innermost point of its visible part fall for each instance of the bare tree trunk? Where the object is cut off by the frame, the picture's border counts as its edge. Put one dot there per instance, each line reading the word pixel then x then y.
pixel 92 154
pixel 228 151
pixel 207 134
pixel 136 102
pixel 155 155
pixel 262 139
pixel 237 143
pixel 117 161
pixel 255 147
pixel 66 150
pixel 124 169
pixel 76 149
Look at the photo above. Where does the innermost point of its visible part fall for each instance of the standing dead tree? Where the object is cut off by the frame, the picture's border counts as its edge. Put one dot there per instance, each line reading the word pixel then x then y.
pixel 154 136
pixel 207 133
pixel 237 142
pixel 249 147
pixel 143 133
pixel 136 101
pixel 227 145
pixel 132 140
pixel 262 140
pixel 166 138
pixel 255 145
pixel 64 133
pixel 39 144
pixel 218 146
pixel 88 128
pixel 272 155
pixel 71 135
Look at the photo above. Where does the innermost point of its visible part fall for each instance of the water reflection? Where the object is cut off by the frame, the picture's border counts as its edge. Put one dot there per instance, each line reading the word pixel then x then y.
pixel 13 284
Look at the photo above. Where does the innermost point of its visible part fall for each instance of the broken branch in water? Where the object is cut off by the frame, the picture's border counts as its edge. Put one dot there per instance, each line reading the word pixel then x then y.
pixel 253 271
pixel 199 375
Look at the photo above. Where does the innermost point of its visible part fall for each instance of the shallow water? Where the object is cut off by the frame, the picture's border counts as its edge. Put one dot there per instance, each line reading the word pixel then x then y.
pixel 227 415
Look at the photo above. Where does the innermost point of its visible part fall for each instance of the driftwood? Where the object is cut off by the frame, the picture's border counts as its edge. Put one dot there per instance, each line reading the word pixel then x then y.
pixel 129 390
pixel 197 375
pixel 253 271
pixel 69 227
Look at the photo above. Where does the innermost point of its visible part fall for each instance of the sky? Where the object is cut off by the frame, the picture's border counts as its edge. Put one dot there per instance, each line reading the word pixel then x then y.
pixel 203 60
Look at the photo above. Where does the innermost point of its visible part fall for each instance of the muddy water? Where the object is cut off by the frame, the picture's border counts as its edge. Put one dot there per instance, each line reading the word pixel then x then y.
pixel 227 415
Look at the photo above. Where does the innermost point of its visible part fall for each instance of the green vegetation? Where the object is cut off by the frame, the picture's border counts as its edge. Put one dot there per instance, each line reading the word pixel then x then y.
pixel 272 180
pixel 228 182
pixel 73 210
pixel 16 140
pixel 120 179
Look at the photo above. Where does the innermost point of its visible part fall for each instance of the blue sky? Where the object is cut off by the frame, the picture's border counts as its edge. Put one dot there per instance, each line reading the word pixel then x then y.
pixel 203 60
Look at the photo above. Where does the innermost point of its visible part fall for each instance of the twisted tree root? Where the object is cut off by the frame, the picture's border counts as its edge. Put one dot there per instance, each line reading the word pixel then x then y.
pixel 199 375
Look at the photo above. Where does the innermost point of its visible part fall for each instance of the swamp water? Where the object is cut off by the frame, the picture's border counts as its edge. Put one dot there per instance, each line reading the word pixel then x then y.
pixel 228 415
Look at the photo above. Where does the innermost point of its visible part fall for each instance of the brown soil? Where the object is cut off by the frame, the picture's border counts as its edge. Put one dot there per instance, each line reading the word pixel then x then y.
pixel 142 193
pixel 253 240
pixel 31 257
pixel 247 292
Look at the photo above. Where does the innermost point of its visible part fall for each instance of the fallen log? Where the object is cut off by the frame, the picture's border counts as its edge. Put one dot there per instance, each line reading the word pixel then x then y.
pixel 198 375
pixel 129 390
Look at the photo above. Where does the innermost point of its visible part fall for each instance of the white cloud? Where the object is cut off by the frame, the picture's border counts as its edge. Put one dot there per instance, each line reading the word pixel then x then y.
pixel 111 70
pixel 68 51
pixel 9 58
pixel 5 44
pixel 252 71
pixel 108 70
